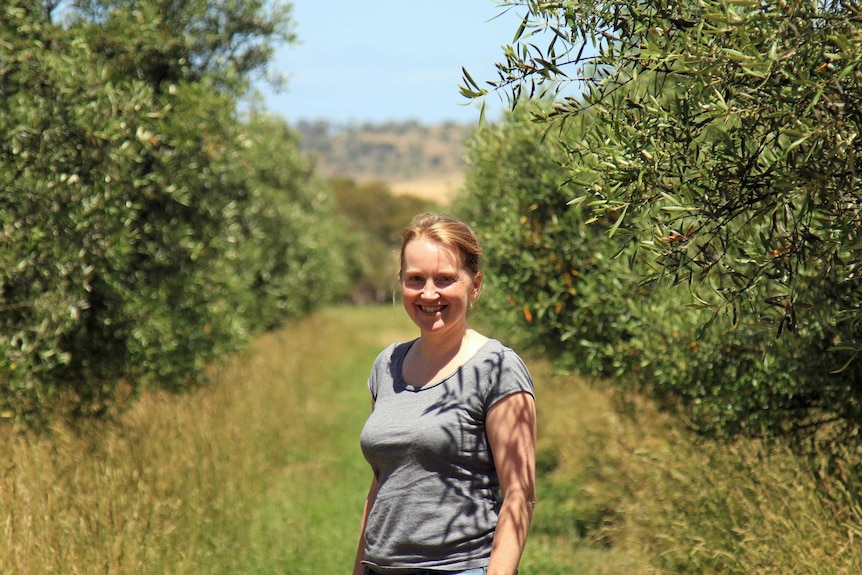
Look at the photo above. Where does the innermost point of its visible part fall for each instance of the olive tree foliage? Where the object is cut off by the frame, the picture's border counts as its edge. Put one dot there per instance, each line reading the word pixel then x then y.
pixel 547 280
pixel 298 251
pixel 721 138
pixel 131 250
pixel 225 42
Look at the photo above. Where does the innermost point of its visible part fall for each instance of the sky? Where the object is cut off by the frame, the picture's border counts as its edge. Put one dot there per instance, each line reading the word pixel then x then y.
pixel 387 60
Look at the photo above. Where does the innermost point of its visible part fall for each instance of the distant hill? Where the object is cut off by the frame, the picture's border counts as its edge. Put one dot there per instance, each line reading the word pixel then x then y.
pixel 413 158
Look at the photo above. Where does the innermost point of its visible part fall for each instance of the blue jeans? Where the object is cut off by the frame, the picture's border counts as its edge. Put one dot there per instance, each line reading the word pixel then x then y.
pixel 477 571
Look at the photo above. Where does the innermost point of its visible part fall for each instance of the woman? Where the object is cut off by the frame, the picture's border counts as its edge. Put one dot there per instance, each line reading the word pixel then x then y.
pixel 452 432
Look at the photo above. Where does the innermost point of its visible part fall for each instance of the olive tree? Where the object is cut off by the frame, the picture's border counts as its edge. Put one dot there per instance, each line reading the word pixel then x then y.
pixel 721 137
pixel 141 238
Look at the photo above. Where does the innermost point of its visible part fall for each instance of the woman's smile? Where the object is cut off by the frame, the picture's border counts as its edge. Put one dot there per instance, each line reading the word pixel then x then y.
pixel 435 287
pixel 431 308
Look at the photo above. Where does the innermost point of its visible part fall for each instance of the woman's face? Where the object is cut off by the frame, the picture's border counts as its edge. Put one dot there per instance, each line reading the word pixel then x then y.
pixel 435 288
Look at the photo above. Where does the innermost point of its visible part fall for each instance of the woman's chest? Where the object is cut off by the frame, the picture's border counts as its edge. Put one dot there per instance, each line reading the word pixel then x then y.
pixel 438 420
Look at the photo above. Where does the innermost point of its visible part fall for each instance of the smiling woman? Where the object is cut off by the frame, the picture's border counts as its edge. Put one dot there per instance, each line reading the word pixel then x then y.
pixel 451 439
pixel 433 282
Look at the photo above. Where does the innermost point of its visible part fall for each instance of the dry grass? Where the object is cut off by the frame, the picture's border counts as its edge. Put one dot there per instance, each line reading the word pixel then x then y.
pixel 669 503
pixel 441 190
pixel 180 483
pixel 150 494
pixel 261 473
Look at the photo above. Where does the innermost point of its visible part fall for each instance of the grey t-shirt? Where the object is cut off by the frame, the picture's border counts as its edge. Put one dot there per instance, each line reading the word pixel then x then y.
pixel 439 494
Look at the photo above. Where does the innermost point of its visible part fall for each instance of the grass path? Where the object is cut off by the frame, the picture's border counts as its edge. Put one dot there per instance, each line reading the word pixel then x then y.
pixel 615 495
pixel 317 500
pixel 260 473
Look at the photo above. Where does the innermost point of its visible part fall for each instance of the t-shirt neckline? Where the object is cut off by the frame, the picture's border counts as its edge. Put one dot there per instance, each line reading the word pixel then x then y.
pixel 399 367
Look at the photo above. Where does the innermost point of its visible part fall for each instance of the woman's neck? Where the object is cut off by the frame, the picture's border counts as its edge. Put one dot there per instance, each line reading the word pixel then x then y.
pixel 436 358
pixel 443 348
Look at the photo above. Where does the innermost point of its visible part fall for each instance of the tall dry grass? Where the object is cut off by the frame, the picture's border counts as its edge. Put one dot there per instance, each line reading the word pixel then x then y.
pixel 635 481
pixel 261 473
pixel 180 483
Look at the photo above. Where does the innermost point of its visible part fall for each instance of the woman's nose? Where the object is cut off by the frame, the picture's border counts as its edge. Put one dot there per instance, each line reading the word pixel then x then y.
pixel 429 290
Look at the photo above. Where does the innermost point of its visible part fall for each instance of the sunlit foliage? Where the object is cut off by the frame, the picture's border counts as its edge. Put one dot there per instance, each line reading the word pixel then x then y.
pixel 132 250
pixel 714 144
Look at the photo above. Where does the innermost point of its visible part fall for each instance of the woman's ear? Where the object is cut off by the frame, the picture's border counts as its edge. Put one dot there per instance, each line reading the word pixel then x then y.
pixel 477 286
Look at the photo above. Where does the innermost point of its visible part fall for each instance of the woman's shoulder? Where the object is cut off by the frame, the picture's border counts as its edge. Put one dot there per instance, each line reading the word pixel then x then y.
pixel 387 366
pixel 495 347
pixel 505 371
pixel 393 351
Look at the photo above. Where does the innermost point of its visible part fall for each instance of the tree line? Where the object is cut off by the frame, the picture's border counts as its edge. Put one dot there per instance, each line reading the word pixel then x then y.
pixel 687 225
pixel 148 226
pixel 688 222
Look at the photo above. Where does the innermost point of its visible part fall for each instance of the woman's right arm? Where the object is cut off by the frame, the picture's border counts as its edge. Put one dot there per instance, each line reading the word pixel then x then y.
pixel 358 567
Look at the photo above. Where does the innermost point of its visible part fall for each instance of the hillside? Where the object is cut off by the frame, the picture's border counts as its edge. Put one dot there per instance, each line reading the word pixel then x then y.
pixel 412 158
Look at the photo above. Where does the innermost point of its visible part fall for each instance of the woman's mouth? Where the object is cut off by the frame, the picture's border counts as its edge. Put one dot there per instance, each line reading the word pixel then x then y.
pixel 430 308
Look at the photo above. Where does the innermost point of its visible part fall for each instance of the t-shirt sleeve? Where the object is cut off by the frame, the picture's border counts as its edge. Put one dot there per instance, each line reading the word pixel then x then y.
pixel 378 370
pixel 372 386
pixel 511 377
pixel 373 377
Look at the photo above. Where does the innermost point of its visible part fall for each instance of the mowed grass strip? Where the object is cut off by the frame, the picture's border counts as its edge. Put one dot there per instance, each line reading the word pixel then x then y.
pixel 316 500
pixel 259 473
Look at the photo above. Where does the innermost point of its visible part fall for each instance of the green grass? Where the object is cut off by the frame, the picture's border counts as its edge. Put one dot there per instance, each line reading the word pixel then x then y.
pixel 318 499
pixel 259 473
pixel 307 518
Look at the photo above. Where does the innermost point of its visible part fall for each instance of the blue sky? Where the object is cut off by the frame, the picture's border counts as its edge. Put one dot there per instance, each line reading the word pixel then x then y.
pixel 389 59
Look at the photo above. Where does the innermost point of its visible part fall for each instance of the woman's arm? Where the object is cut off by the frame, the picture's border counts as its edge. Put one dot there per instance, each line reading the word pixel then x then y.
pixel 511 429
pixel 358 568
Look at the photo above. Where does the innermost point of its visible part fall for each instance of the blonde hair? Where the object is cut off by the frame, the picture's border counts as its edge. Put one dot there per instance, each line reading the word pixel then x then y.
pixel 449 233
